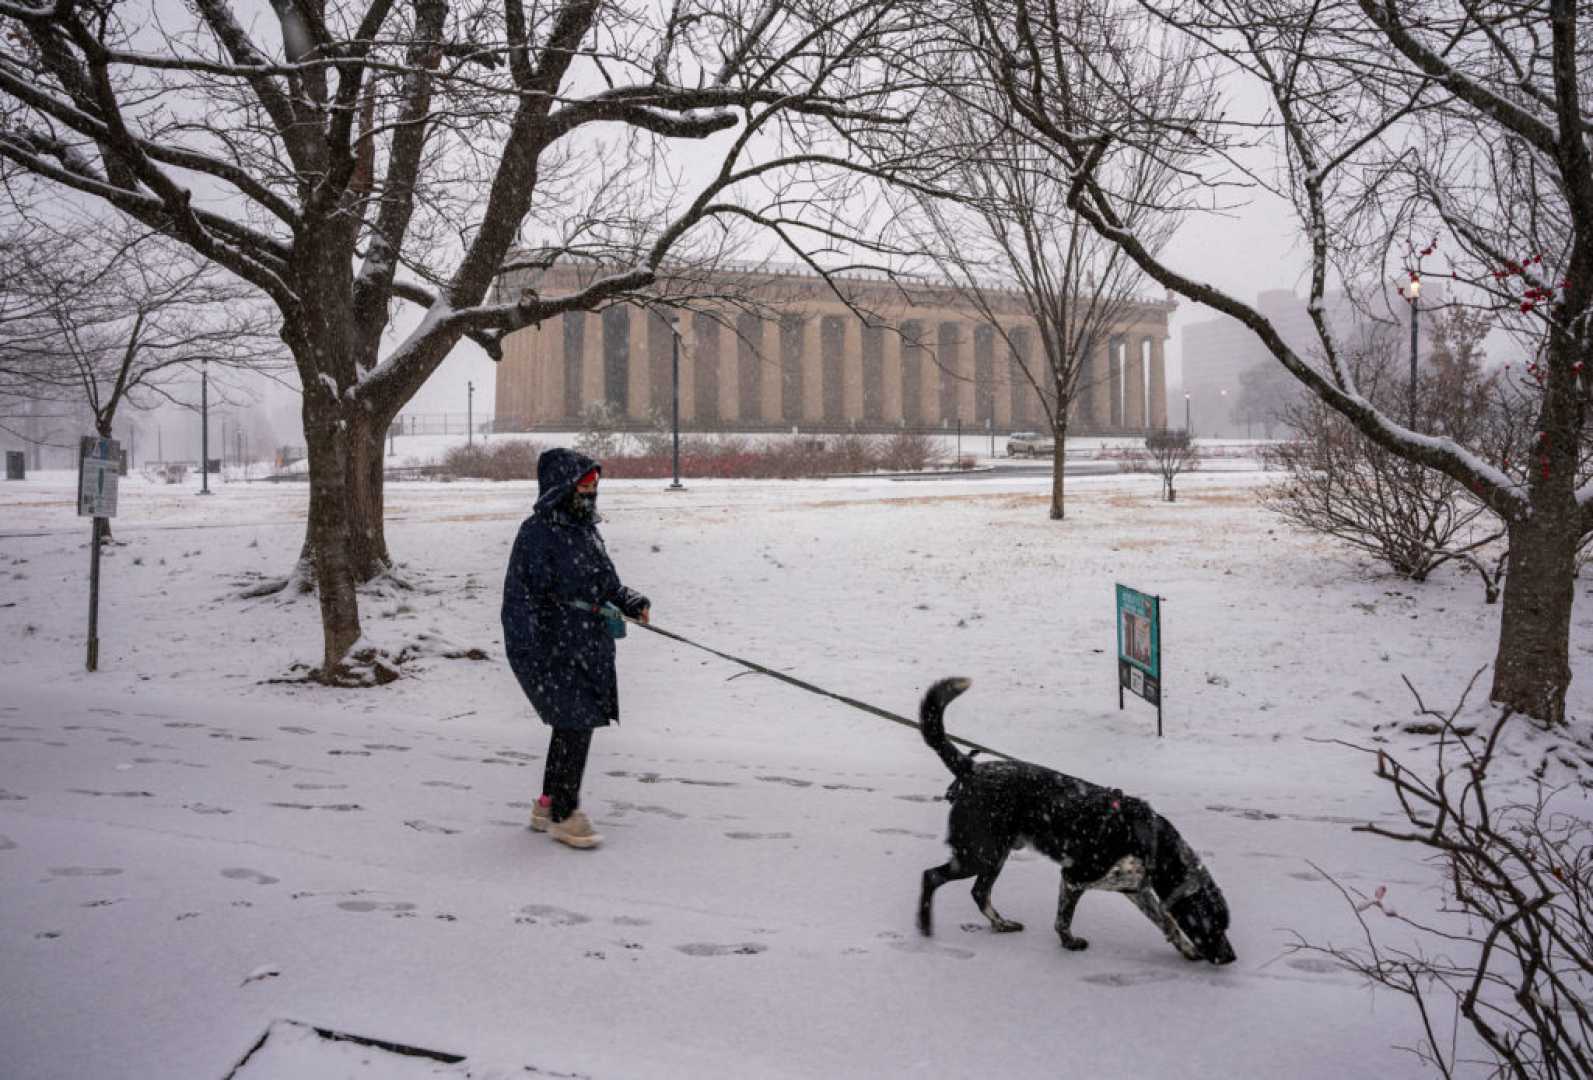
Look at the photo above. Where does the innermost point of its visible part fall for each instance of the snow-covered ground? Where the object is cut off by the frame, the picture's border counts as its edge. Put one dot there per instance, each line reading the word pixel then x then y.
pixel 190 851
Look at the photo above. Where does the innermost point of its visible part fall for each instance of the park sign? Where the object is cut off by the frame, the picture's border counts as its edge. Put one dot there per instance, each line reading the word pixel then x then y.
pixel 99 463
pixel 1139 647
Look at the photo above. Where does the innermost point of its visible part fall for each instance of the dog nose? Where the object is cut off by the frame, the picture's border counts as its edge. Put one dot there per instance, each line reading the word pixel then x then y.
pixel 1225 953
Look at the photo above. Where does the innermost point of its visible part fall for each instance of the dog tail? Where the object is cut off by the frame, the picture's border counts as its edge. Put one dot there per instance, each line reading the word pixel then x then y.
pixel 931 721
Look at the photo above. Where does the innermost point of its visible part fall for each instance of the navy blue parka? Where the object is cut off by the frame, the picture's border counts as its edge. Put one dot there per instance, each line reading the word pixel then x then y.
pixel 563 656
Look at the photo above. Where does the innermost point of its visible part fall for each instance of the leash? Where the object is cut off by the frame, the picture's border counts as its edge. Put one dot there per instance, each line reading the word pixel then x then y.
pixel 800 684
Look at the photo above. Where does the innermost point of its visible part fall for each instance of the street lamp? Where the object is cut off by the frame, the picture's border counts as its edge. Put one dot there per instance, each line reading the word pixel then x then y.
pixel 674 395
pixel 1189 430
pixel 470 400
pixel 204 427
pixel 1222 408
pixel 1415 306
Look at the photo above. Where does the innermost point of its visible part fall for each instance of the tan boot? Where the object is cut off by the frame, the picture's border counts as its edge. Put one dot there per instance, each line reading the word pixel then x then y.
pixel 576 831
pixel 541 816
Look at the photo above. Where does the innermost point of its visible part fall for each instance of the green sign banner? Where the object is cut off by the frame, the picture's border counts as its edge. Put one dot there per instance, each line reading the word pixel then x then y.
pixel 1139 646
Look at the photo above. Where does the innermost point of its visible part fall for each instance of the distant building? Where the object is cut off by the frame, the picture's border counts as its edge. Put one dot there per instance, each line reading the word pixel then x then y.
pixel 1218 352
pixel 805 359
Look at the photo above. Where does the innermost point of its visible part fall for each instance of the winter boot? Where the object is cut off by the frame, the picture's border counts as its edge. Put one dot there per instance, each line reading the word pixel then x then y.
pixel 576 831
pixel 541 814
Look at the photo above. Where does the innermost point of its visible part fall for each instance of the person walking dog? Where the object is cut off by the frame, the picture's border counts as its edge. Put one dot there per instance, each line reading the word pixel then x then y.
pixel 558 637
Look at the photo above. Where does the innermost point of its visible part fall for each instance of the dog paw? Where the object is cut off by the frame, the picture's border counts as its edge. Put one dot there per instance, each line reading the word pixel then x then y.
pixel 1074 944
pixel 1006 926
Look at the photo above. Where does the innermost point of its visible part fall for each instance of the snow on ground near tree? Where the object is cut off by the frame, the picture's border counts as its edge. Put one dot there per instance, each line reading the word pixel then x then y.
pixel 175 824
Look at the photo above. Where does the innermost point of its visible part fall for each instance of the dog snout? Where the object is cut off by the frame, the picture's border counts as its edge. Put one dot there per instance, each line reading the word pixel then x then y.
pixel 1224 953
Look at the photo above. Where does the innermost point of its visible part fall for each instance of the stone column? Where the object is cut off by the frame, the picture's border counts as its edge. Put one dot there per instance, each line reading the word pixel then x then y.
pixel 851 367
pixel 592 361
pixel 967 368
pixel 729 371
pixel 768 360
pixel 812 370
pixel 638 368
pixel 893 346
pixel 1158 383
pixel 1100 375
pixel 1134 384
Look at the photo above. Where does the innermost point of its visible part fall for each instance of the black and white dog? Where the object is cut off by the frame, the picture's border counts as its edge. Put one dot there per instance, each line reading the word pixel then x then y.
pixel 1102 838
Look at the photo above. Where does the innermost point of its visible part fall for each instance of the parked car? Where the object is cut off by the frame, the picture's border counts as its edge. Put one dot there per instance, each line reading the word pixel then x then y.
pixel 1030 444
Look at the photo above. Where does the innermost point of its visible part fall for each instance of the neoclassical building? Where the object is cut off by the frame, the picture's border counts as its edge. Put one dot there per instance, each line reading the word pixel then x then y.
pixel 805 359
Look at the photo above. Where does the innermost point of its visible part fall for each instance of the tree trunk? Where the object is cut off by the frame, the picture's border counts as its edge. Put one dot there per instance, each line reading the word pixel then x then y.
pixel 367 535
pixel 328 438
pixel 1532 669
pixel 1058 460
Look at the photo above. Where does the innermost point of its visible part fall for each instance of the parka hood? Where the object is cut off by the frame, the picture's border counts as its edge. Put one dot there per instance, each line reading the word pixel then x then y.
pixel 558 471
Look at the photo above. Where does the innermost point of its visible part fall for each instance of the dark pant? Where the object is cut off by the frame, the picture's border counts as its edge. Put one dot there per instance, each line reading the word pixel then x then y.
pixel 561 781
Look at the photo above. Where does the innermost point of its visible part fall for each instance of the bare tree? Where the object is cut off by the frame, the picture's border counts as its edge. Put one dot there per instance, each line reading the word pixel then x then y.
pixel 357 155
pixel 1171 452
pixel 1411 518
pixel 1515 964
pixel 1389 122
pixel 1005 237
pixel 98 316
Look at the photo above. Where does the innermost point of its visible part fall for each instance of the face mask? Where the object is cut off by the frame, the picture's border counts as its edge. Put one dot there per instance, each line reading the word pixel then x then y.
pixel 583 506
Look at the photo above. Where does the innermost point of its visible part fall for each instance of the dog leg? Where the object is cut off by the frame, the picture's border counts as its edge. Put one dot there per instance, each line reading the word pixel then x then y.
pixel 1151 904
pixel 1066 902
pixel 981 895
pixel 934 878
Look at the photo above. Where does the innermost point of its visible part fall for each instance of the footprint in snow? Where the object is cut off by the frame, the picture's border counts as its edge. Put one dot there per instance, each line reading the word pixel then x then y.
pixel 204 808
pixel 1130 978
pixel 745 948
pixel 425 826
pixel 921 945
pixel 538 914
pixel 759 835
pixel 397 907
pixel 342 807
pixel 1316 965
pixel 85 871
pixel 319 787
pixel 450 785
pixel 243 873
pixel 6 843
pixel 790 781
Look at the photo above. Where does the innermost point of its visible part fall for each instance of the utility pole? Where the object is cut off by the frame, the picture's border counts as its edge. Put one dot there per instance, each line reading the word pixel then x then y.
pixel 204 427
pixel 674 396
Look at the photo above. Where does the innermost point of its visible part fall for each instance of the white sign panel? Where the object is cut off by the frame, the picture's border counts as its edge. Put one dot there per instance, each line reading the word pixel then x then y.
pixel 99 462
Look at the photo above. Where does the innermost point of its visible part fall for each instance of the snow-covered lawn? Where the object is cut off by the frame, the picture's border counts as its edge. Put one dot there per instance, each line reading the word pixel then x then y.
pixel 189 851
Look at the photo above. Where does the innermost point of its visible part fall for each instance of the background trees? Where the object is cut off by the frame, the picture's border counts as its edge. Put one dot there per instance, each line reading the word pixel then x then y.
pixel 1387 125
pixel 999 220
pixel 354 156
pixel 101 316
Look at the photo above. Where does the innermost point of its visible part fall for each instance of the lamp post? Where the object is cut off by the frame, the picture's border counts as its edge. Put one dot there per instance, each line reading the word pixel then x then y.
pixel 1415 307
pixel 1187 429
pixel 674 395
pixel 204 427
pixel 1222 408
pixel 470 401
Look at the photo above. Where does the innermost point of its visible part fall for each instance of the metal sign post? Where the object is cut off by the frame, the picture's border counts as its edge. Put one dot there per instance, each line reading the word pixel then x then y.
pixel 1139 648
pixel 98 467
